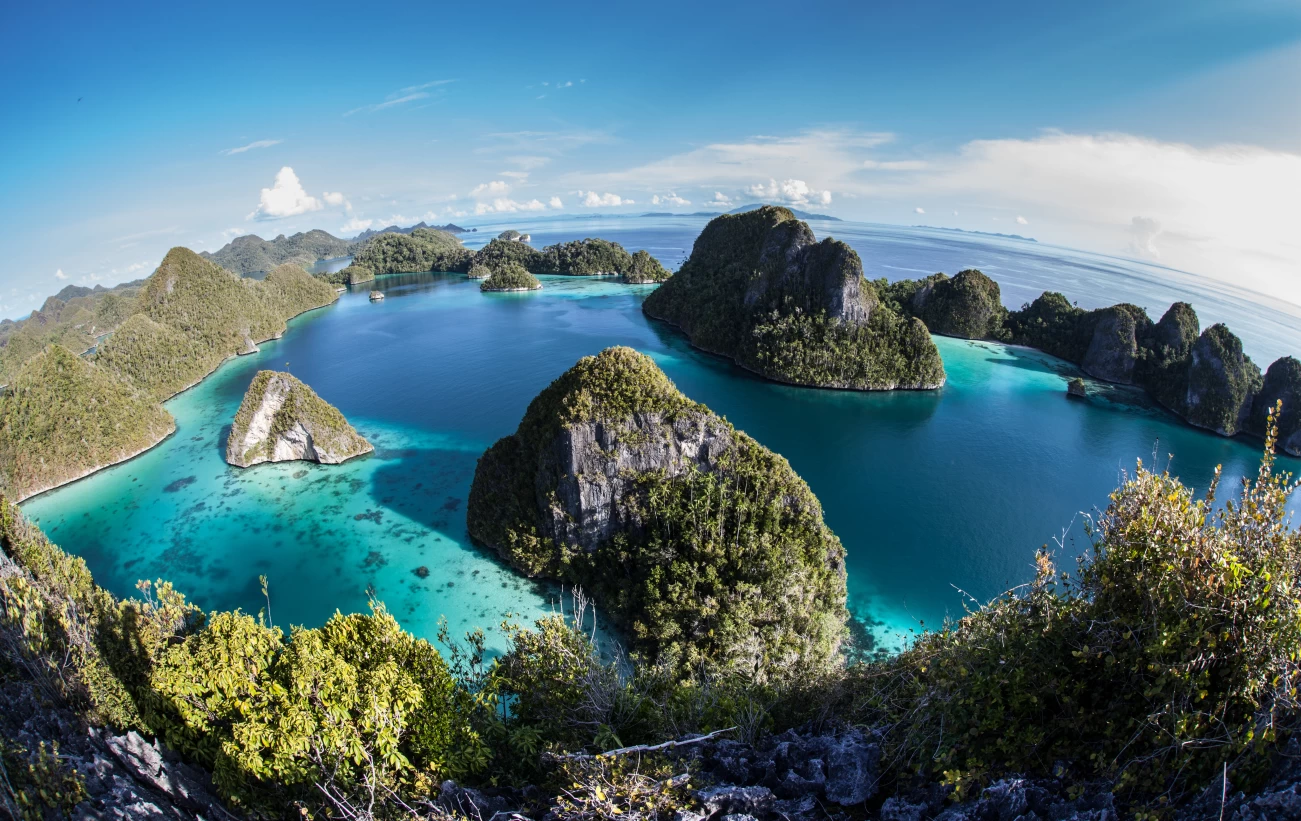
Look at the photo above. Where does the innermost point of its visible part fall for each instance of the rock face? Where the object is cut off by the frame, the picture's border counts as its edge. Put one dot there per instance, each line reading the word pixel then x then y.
pixel 969 305
pixel 760 288
pixel 1221 383
pixel 594 466
pixel 1177 331
pixel 617 482
pixel 1113 351
pixel 1282 384
pixel 282 420
pixel 1077 389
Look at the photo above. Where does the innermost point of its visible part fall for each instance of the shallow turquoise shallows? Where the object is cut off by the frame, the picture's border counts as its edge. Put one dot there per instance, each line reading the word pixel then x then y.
pixel 937 496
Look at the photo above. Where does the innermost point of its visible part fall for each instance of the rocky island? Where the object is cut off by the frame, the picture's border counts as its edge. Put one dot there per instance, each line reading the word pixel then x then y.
pixel 282 420
pixel 761 290
pixel 1202 376
pixel 510 276
pixel 702 544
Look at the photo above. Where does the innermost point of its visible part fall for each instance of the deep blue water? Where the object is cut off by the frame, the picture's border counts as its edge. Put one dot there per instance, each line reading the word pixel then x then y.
pixel 930 492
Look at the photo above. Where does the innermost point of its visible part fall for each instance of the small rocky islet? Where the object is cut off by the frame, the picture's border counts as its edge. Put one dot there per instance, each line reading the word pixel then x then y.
pixel 283 420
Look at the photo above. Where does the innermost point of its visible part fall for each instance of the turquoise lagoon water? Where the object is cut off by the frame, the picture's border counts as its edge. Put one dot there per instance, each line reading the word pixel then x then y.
pixel 932 493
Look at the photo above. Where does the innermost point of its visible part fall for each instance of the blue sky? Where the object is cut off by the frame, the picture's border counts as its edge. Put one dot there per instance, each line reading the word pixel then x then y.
pixel 1163 130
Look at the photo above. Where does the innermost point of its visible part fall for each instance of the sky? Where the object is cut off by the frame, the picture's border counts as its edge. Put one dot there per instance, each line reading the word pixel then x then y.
pixel 1163 131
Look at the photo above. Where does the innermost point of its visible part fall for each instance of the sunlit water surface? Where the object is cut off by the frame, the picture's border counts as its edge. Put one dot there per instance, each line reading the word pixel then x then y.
pixel 936 495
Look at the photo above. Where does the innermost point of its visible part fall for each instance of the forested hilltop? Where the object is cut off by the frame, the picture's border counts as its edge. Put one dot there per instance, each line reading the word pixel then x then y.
pixel 1202 375
pixel 75 318
pixel 64 416
pixel 1157 680
pixel 427 249
pixel 250 254
pixel 761 290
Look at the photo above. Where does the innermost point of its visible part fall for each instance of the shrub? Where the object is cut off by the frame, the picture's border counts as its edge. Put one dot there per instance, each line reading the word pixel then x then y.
pixel 1171 654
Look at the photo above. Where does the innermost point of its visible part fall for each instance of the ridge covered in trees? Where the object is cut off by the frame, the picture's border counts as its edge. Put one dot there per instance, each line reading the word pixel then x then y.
pixel 64 419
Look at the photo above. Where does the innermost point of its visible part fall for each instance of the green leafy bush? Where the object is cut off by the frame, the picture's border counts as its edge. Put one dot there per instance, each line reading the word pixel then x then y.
pixel 1172 653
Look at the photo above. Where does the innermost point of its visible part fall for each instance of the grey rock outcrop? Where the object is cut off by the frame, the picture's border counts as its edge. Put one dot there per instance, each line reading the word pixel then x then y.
pixel 594 468
pixel 1221 383
pixel 1114 348
pixel 282 420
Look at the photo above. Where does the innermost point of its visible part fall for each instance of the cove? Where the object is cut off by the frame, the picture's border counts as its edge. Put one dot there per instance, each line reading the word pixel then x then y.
pixel 931 492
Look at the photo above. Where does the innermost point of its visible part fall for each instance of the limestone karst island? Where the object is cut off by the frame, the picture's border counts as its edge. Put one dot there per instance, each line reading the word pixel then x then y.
pixel 720 412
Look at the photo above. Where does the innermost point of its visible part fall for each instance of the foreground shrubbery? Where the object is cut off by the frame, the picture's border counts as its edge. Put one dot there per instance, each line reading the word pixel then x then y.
pixel 1170 656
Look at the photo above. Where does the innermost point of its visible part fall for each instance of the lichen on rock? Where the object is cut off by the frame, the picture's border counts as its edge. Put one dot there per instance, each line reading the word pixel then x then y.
pixel 282 420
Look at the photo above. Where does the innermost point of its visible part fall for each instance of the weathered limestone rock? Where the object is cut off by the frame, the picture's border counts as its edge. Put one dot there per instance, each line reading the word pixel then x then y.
pixel 1222 381
pixel 281 420
pixel 1113 351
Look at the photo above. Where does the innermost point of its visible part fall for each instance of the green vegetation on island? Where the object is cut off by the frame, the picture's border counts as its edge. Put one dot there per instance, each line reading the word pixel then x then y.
pixel 63 417
pixel 705 547
pixel 74 318
pixel 760 289
pixel 510 276
pixel 250 254
pixel 500 252
pixel 202 315
pixel 424 249
pixel 188 317
pixel 645 268
pixel 281 419
pixel 1202 376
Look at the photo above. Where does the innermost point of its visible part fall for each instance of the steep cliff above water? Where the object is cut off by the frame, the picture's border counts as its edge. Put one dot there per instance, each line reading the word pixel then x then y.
pixel 702 544
pixel 760 289
pixel 281 420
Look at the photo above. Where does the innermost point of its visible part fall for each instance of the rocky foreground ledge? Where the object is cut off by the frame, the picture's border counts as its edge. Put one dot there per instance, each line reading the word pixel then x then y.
pixel 283 420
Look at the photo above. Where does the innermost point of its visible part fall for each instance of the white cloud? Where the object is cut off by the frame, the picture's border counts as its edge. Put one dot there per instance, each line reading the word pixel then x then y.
pixel 720 200
pixel 789 192
pixel 355 226
pixel 518 176
pixel 231 233
pixel 920 210
pixel 825 156
pixel 400 97
pixel 555 202
pixel 1225 211
pixel 335 199
pixel 669 199
pixel 490 188
pixel 58 274
pixel 286 198
pixel 592 199
pixel 1143 233
pixel 895 165
pixel 566 84
pixel 250 147
pixel 1020 220
pixel 505 205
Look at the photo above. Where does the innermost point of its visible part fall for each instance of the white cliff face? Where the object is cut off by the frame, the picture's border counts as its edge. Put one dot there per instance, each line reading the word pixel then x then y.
pixel 283 420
